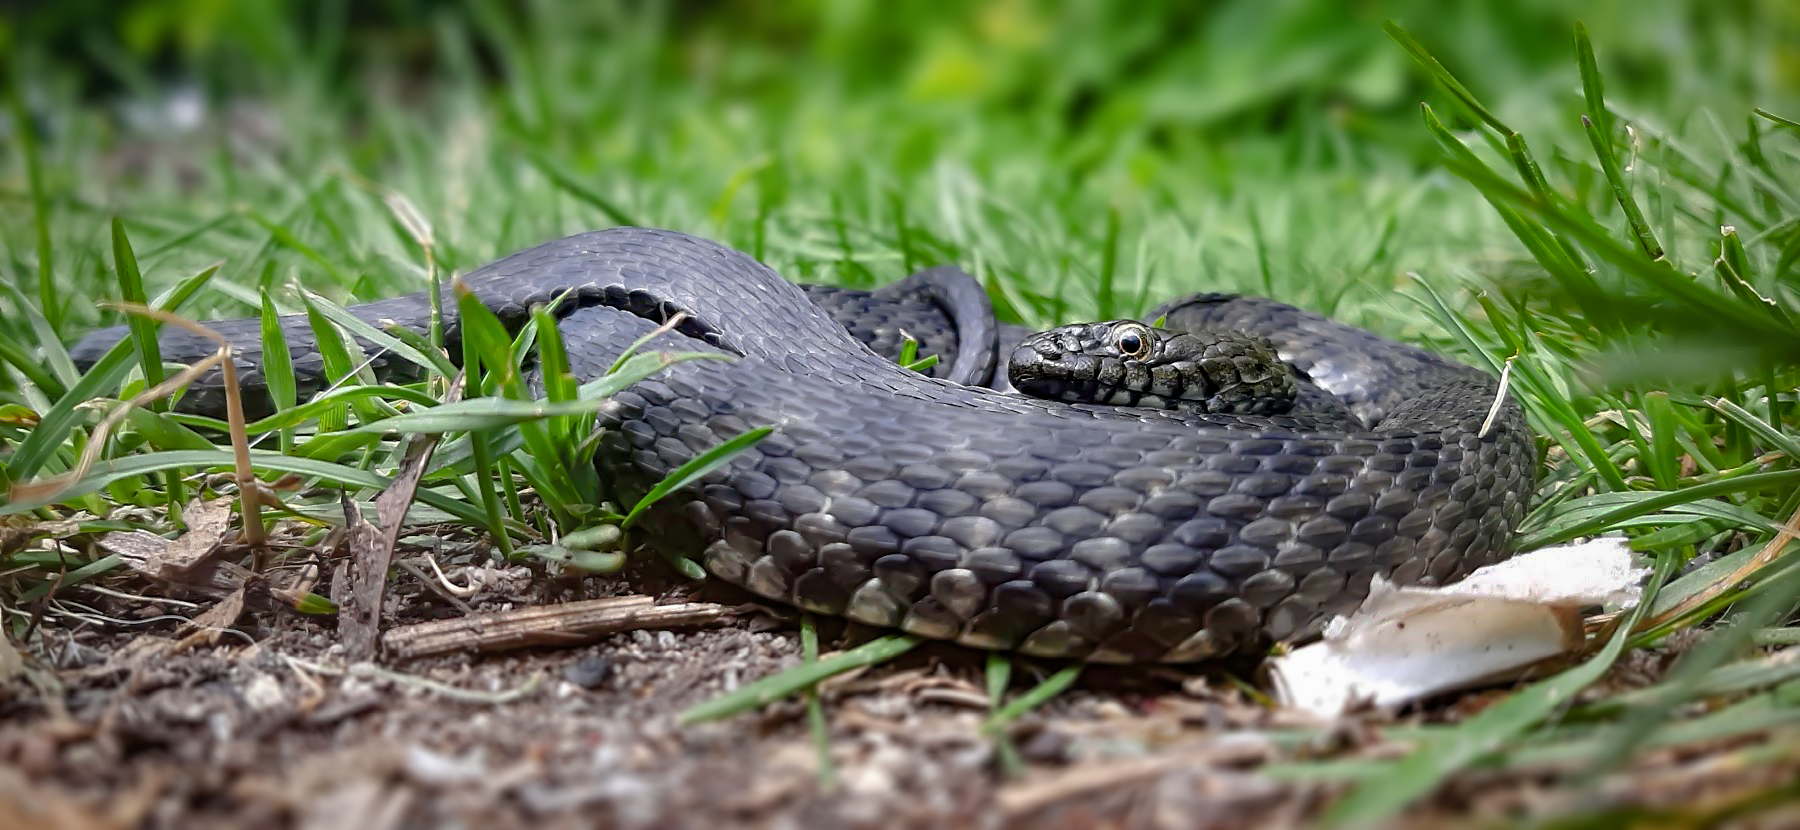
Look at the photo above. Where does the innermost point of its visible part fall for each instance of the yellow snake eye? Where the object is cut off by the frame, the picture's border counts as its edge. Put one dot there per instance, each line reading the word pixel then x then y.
pixel 1132 341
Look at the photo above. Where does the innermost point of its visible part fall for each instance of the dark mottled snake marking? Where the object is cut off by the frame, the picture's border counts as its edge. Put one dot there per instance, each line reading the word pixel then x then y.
pixel 961 513
pixel 1127 363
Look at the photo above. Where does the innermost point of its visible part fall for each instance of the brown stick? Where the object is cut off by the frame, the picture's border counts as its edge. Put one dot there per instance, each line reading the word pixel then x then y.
pixel 563 624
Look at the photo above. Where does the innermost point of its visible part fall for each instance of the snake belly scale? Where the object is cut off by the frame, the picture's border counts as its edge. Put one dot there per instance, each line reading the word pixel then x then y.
pixel 957 512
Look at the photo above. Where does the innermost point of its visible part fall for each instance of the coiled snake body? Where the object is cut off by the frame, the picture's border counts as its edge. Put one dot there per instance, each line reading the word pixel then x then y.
pixel 1000 521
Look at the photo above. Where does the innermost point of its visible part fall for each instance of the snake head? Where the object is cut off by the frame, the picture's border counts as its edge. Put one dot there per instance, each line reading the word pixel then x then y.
pixel 1128 363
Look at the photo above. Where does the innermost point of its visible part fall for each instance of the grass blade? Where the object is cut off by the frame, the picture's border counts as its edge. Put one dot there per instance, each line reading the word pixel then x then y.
pixel 575 187
pixel 1609 165
pixel 1052 686
pixel 477 414
pixel 792 681
pixel 25 128
pixel 339 368
pixel 131 290
pixel 696 468
pixel 278 367
pixel 55 426
pixel 1593 86
pixel 1442 75
pixel 221 460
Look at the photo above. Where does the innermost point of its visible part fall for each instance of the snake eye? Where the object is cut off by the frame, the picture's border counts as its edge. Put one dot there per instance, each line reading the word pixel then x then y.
pixel 1132 342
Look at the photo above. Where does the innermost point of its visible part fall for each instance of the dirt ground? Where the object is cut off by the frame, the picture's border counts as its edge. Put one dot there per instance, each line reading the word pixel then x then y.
pixel 267 727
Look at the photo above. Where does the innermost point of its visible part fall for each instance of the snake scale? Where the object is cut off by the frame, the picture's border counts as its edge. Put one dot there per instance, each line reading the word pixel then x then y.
pixel 953 511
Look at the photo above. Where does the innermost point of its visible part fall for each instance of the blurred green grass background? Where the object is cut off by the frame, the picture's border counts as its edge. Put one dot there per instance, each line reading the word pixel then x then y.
pixel 1267 146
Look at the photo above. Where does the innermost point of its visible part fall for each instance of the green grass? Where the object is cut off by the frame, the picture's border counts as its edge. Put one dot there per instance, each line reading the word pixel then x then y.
pixel 1636 271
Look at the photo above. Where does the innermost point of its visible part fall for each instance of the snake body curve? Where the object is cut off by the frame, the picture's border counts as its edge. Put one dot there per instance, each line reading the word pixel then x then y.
pixel 958 512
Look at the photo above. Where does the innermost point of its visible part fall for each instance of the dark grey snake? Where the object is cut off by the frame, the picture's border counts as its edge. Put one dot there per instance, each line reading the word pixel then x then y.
pixel 1001 521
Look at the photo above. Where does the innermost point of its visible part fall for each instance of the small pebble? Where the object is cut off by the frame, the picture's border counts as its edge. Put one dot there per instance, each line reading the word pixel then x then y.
pixel 590 672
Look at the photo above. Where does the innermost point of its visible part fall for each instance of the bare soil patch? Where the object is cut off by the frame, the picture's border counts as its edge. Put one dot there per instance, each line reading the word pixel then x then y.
pixel 270 726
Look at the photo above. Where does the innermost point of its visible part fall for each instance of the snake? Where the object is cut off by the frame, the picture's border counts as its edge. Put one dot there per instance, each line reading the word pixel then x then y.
pixel 948 505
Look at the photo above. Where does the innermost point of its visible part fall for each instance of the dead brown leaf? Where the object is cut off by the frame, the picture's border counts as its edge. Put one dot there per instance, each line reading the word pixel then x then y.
pixel 372 548
pixel 15 535
pixel 143 551
pixel 207 522
pixel 205 628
